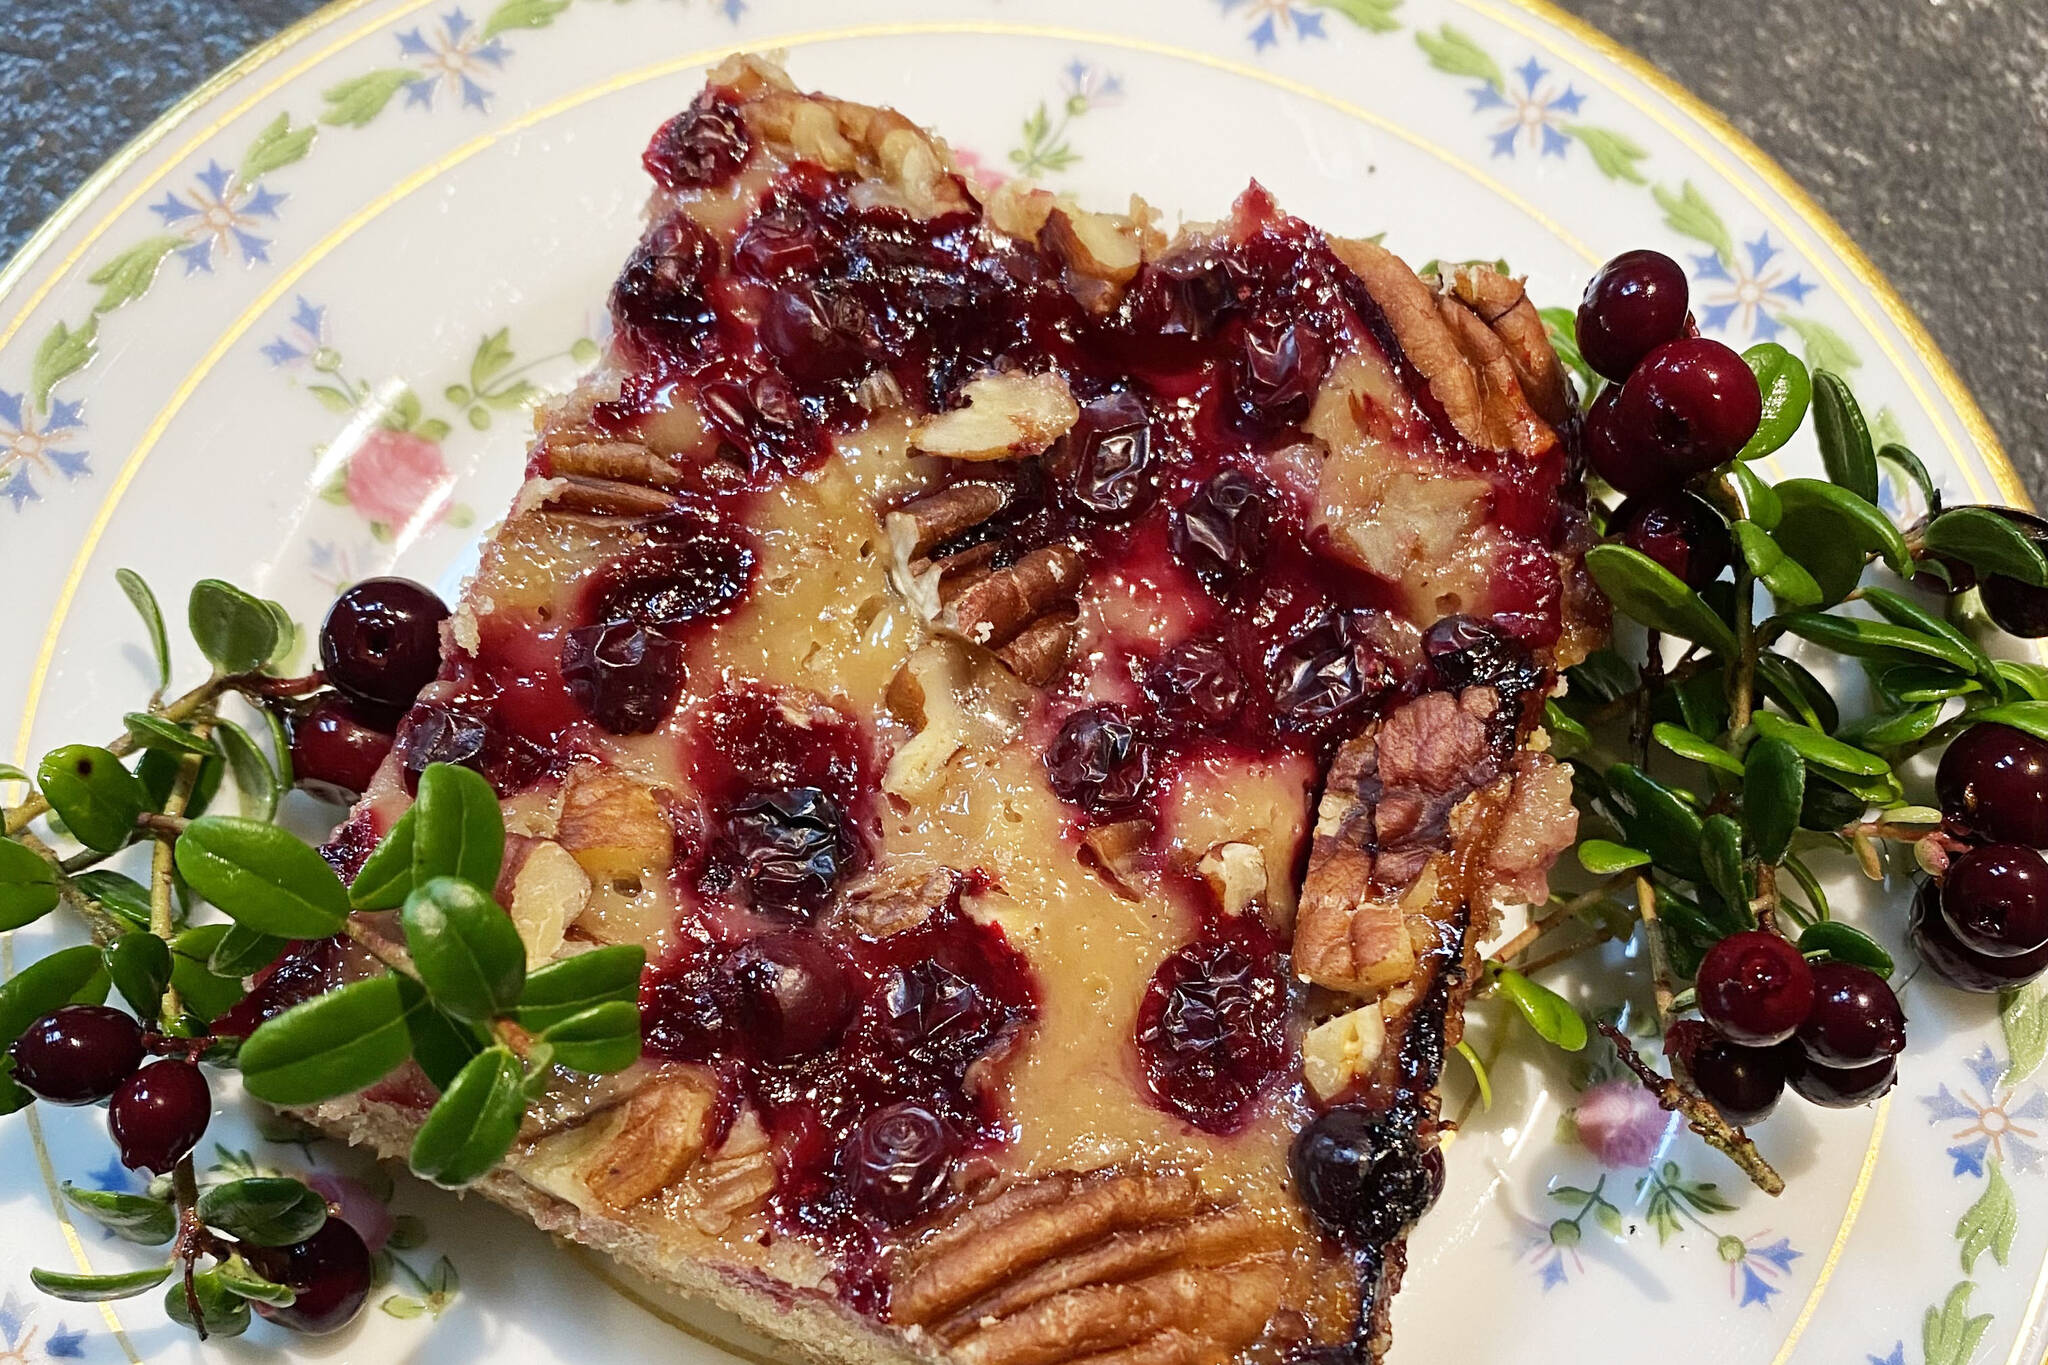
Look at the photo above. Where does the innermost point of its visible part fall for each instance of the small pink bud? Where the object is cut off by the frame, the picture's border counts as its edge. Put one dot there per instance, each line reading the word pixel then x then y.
pixel 1621 1124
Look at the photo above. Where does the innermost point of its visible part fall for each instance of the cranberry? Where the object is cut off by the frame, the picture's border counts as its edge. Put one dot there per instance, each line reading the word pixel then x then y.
pixel 1364 1177
pixel 1618 456
pixel 1633 305
pixel 1955 961
pixel 1856 1019
pixel 381 642
pixel 1220 531
pixel 159 1114
pixel 1211 1030
pixel 77 1054
pixel 1995 900
pixel 792 994
pixel 1466 652
pixel 337 747
pixel 1274 376
pixel 818 336
pixel 1993 783
pixel 1185 296
pixel 760 424
pixel 1838 1087
pixel 1744 1083
pixel 1755 988
pixel 1108 456
pixel 2014 607
pixel 1324 675
pixel 1100 760
pixel 896 1161
pixel 1694 402
pixel 689 571
pixel 790 849
pixel 1196 684
pixel 329 1272
pixel 699 148
pixel 662 298
pixel 1678 530
pixel 626 675
pixel 932 1010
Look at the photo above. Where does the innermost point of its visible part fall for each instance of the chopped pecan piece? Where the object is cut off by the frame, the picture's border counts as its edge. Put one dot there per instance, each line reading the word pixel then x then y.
pixel 734 1179
pixel 612 461
pixel 656 1135
pixel 606 497
pixel 994 610
pixel 1005 417
pixel 1502 303
pixel 1040 650
pixel 922 523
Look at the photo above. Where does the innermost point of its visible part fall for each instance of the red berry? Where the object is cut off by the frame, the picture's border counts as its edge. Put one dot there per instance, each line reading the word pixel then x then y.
pixel 1755 988
pixel 624 674
pixel 1635 304
pixel 1836 1087
pixel 159 1114
pixel 792 994
pixel 337 747
pixel 1995 899
pixel 789 849
pixel 896 1161
pixel 77 1054
pixel 1693 402
pixel 1630 465
pixel 1195 684
pixel 1108 456
pixel 1220 532
pixel 330 1272
pixel 700 147
pixel 381 642
pixel 1678 530
pixel 2014 607
pixel 1100 760
pixel 1211 1031
pixel 1856 1020
pixel 1364 1177
pixel 1955 961
pixel 1993 783
pixel 1744 1083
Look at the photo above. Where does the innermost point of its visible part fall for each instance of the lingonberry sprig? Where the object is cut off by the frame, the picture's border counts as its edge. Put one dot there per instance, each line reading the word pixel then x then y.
pixel 438 975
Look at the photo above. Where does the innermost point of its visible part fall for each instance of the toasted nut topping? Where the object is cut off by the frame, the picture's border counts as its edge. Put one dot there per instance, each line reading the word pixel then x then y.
pixel 613 825
pixel 607 497
pixel 1006 417
pixel 613 461
pixel 548 894
pixel 1118 850
pixel 657 1134
pixel 940 516
pixel 1092 244
pixel 995 609
pixel 1236 873
pixel 1040 650
pixel 736 1179
pixel 1339 1051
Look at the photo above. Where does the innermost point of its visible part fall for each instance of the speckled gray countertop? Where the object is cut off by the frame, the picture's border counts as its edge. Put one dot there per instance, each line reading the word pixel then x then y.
pixel 1922 125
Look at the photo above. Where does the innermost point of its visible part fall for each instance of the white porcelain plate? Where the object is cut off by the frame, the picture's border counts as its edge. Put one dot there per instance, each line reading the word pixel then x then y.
pixel 430 198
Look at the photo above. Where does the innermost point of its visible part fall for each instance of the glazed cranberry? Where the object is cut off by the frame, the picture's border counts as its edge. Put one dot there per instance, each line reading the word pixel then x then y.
pixel 1838 1087
pixel 1185 296
pixel 381 642
pixel 1195 683
pixel 1274 376
pixel 159 1114
pixel 701 147
pixel 662 298
pixel 817 336
pixel 1220 531
pixel 1755 988
pixel 1993 783
pixel 1466 652
pixel 1856 1020
pixel 1995 900
pixel 1107 456
pixel 1325 675
pixel 1099 761
pixel 789 849
pixel 626 676
pixel 1634 304
pixel 760 424
pixel 329 1272
pixel 1955 961
pixel 77 1054
pixel 1694 402
pixel 336 747
pixel 1684 1038
pixel 935 1012
pixel 1211 1031
pixel 896 1161
pixel 1363 1177
pixel 1616 455
pixel 2014 607
pixel 691 570
pixel 791 994
pixel 440 733
pixel 1744 1083
pixel 1681 532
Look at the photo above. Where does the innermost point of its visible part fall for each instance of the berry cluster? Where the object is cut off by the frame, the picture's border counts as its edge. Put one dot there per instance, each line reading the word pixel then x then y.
pixel 380 644
pixel 1983 925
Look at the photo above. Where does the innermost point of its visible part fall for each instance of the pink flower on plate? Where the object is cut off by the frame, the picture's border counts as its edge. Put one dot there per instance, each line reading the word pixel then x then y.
pixel 1621 1124
pixel 354 1205
pixel 978 171
pixel 397 478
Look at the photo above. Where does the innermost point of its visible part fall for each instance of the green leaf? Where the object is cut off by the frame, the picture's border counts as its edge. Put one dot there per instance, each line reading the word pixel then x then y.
pixel 1792 685
pixel 385 879
pixel 1846 943
pixel 269 1210
pixel 203 991
pixel 1910 465
pixel 238 1279
pixel 131 1217
pixel 242 951
pixel 235 631
pixel 603 1038
pixel 1605 858
pixel 164 736
pixel 1815 896
pixel 468 951
pixel 441 1044
pixel 1904 611
pixel 263 877
pixel 1890 729
pixel 160 771
pixel 1826 349
pixel 354 102
pixel 28 885
pixel 331 1045
pixel 2030 716
pixel 98 1288
pixel 1615 154
pixel 1948 1335
pixel 1741 495
pixel 1686 744
pixel 1567 736
pixel 152 616
pixel 62 353
pixel 1455 54
pixel 474 1123
pixel 1874 639
pixel 2031 679
pixel 1773 788
pixel 1604 676
pixel 1988 543
pixel 1845 448
pixel 1654 819
pixel 521 14
pixel 1844 513
pixel 1549 1013
pixel 278 145
pixel 97 798
pixel 1688 213
pixel 2023 1016
pixel 1374 16
pixel 256 782
pixel 225 1313
pixel 140 967
pixel 1819 749
pixel 1990 1223
pixel 128 276
pixel 572 985
pixel 1562 326
pixel 1786 578
pixel 1787 389
pixel 1653 595
pixel 121 896
pixel 459 830
pixel 1910 684
pixel 1479 1076
pixel 1721 855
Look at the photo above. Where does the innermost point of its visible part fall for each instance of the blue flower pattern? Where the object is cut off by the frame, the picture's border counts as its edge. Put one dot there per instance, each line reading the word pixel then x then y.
pixel 1743 298
pixel 1760 1264
pixel 451 55
pixel 303 336
pixel 1997 1126
pixel 218 217
pixel 1272 20
pixel 32 445
pixel 19 1329
pixel 1532 112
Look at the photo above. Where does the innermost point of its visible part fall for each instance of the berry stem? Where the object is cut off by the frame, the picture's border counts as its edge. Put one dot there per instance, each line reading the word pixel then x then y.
pixel 193 1238
pixel 103 927
pixel 1660 960
pixel 1742 679
pixel 1700 1115
pixel 1557 915
pixel 162 869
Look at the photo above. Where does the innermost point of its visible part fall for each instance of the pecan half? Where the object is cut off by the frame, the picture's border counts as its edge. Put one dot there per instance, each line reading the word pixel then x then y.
pixel 994 610
pixel 1040 650
pixel 922 523
pixel 606 497
pixel 1502 303
pixel 653 1139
